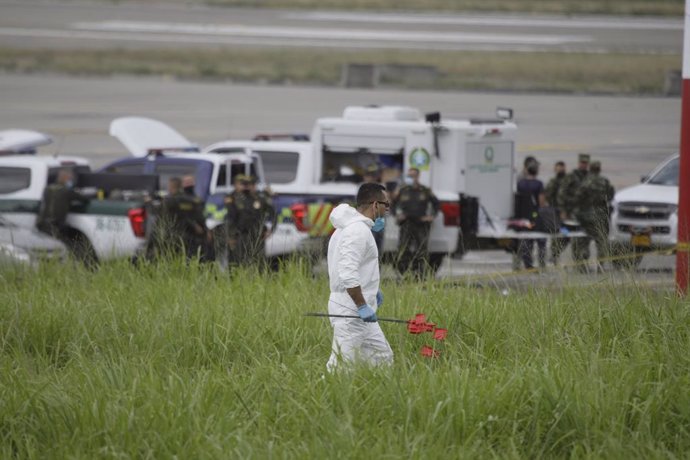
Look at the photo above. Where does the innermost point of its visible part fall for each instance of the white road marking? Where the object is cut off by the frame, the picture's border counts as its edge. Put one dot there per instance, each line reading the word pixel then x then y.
pixel 608 23
pixel 343 35
pixel 249 41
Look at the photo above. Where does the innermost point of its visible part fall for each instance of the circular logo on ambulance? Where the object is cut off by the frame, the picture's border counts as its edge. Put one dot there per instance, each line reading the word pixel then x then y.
pixel 420 158
pixel 489 154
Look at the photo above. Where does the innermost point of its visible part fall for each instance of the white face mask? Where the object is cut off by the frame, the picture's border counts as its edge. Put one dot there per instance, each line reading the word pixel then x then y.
pixel 408 180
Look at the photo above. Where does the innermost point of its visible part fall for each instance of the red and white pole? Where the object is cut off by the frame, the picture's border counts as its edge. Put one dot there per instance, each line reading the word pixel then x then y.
pixel 683 247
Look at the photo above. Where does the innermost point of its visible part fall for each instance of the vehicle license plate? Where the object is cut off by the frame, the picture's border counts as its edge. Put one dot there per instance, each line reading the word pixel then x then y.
pixel 641 241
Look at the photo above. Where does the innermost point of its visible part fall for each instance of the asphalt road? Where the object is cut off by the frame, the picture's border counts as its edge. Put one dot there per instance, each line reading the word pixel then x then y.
pixel 103 25
pixel 629 135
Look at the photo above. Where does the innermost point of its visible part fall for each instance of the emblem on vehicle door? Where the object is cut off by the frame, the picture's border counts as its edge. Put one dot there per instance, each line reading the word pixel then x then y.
pixel 489 154
pixel 419 158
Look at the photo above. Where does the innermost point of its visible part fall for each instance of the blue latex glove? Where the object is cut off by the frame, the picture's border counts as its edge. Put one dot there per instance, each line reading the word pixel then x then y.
pixel 379 298
pixel 366 313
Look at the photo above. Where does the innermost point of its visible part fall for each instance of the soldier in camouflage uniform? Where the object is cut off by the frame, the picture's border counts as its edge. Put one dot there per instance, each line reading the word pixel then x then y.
pixel 414 207
pixel 180 225
pixel 558 245
pixel 245 222
pixel 593 200
pixel 567 204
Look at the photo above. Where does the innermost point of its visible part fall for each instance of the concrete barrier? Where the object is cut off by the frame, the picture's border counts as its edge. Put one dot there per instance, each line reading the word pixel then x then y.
pixel 399 75
pixel 673 83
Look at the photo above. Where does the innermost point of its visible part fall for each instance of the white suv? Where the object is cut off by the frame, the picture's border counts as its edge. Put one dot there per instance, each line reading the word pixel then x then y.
pixel 645 216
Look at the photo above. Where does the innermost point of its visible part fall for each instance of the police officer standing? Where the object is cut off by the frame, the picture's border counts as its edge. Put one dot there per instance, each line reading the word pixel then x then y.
pixel 180 224
pixel 245 221
pixel 414 207
pixel 593 200
pixel 202 244
pixel 567 204
pixel 551 191
pixel 55 205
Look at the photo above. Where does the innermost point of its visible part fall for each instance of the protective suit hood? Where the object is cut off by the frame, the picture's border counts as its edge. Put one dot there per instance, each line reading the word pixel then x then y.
pixel 344 215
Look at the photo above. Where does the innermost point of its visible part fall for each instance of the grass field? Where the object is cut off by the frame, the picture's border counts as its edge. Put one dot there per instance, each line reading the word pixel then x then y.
pixel 175 362
pixel 544 72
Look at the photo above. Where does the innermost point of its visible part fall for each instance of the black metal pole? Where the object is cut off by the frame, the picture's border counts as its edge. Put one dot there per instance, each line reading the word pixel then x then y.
pixel 326 315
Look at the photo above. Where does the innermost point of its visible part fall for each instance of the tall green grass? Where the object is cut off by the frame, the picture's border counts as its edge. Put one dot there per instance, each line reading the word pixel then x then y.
pixel 171 361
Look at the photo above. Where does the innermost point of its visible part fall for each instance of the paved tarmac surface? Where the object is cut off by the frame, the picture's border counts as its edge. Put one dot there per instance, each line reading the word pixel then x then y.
pixel 630 135
pixel 135 25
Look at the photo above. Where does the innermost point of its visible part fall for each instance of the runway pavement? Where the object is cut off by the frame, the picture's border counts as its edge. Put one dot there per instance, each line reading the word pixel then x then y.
pixel 135 25
pixel 630 135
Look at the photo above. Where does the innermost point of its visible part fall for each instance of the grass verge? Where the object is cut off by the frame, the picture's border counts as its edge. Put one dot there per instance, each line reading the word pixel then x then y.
pixel 173 361
pixel 545 72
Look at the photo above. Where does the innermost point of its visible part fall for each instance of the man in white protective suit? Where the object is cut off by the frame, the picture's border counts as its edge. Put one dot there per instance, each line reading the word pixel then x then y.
pixel 353 272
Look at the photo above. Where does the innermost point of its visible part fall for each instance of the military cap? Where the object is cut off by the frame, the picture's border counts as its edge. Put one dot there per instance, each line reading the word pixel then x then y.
pixel 595 166
pixel 242 178
pixel 583 158
pixel 252 179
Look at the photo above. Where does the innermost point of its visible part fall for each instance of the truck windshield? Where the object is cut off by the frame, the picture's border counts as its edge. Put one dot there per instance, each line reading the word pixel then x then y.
pixel 351 166
pixel 166 171
pixel 279 167
pixel 668 175
pixel 236 167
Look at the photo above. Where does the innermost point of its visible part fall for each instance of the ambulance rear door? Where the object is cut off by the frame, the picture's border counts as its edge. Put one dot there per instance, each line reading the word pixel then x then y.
pixel 489 175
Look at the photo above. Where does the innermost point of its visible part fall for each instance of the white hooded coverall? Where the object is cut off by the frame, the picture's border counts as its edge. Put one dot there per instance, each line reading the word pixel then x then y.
pixel 353 260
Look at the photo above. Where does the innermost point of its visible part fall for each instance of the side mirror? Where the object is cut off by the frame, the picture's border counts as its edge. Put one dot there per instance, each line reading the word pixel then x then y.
pixel 644 178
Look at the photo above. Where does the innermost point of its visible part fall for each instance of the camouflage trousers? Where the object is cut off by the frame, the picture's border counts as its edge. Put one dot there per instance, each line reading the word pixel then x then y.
pixel 596 226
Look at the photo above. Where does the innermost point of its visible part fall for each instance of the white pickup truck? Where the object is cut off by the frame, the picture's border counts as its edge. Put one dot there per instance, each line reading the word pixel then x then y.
pixel 645 216
pixel 104 229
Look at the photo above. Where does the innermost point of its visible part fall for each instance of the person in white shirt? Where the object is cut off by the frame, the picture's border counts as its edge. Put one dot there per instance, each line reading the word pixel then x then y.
pixel 353 271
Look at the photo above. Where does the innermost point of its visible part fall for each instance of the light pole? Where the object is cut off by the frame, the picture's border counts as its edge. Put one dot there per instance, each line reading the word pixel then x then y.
pixel 683 247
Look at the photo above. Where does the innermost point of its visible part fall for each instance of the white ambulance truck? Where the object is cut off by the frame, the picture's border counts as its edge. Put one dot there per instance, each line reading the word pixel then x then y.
pixel 469 164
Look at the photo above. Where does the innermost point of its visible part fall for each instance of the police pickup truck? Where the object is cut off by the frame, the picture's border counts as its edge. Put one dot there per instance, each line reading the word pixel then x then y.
pixel 104 228
pixel 158 149
pixel 468 164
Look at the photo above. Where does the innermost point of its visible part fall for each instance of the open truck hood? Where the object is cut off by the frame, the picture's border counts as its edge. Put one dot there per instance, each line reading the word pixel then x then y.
pixel 22 140
pixel 141 135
